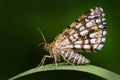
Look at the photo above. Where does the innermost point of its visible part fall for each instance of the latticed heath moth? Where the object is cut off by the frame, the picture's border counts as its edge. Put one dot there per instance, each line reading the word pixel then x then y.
pixel 86 34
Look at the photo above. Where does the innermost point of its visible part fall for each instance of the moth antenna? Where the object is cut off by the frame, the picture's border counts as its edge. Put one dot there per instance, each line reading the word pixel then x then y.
pixel 45 42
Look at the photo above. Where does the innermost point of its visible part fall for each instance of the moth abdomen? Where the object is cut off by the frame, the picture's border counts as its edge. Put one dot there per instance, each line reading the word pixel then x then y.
pixel 74 58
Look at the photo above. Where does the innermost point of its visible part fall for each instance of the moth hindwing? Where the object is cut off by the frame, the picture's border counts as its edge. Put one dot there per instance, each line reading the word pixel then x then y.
pixel 87 33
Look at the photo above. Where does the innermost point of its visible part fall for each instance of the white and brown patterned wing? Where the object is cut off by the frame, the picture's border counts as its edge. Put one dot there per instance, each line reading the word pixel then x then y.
pixel 87 33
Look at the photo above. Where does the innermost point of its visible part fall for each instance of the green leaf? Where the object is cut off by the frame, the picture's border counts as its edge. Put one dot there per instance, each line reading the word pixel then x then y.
pixel 101 72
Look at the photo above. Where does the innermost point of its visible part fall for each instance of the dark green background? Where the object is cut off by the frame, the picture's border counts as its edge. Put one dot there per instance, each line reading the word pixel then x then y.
pixel 19 36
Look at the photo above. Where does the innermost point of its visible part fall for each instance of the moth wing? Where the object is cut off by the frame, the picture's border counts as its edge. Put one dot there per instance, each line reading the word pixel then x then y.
pixel 87 33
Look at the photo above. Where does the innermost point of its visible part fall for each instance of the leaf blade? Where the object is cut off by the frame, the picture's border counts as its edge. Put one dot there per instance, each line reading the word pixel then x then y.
pixel 101 72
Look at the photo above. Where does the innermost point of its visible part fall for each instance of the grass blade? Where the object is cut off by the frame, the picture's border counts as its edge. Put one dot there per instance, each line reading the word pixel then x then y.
pixel 101 72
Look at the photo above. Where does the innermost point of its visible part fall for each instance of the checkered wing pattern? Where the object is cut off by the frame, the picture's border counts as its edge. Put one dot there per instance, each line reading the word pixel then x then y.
pixel 87 33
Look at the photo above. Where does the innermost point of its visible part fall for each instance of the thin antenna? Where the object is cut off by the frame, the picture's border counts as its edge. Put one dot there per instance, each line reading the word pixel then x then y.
pixel 42 36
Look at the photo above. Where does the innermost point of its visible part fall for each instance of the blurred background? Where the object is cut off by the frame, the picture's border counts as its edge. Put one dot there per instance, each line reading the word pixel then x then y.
pixel 19 37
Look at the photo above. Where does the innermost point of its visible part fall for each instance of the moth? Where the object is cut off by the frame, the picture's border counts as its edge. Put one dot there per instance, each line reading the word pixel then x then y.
pixel 86 34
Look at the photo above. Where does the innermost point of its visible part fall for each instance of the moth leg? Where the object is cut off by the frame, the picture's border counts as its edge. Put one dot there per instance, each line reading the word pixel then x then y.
pixel 67 60
pixel 43 60
pixel 55 59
